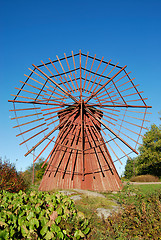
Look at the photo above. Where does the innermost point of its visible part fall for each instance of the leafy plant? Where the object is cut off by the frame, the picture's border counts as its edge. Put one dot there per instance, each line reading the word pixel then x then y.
pixel 38 215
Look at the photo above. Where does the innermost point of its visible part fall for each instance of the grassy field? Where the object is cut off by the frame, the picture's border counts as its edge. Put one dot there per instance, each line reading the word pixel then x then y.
pixel 148 188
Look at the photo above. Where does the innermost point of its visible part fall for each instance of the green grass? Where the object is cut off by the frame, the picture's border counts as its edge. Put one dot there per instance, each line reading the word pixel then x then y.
pixel 88 206
pixel 148 188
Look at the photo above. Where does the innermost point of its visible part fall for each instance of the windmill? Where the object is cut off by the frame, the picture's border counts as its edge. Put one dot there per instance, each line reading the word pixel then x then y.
pixel 84 114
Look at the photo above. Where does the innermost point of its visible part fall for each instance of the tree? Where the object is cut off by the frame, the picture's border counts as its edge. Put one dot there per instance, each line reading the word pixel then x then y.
pixel 129 168
pixel 149 160
pixel 39 172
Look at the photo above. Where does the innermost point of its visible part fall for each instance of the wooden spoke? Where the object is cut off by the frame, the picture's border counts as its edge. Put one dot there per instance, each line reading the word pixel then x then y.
pixel 72 83
pixel 119 147
pixel 137 118
pixel 85 82
pixel 74 63
pixel 30 129
pixel 33 86
pixel 33 136
pixel 26 116
pixel 76 81
pixel 28 91
pixel 23 109
pixel 111 71
pixel 134 124
pixel 100 141
pixel 44 149
pixel 95 150
pixel 36 80
pixel 68 64
pixel 141 127
pixel 114 152
pixel 98 66
pixel 61 65
pixel 128 137
pixel 55 69
pixel 104 69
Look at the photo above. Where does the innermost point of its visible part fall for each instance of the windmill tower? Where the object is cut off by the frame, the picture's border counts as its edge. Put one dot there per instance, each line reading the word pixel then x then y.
pixel 91 115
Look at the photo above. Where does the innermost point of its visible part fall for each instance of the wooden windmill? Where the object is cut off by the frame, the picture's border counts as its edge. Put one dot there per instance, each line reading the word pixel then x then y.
pixel 83 114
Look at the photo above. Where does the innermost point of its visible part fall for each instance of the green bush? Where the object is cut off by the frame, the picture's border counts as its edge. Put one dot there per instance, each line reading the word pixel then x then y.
pixel 10 179
pixel 38 215
pixel 145 178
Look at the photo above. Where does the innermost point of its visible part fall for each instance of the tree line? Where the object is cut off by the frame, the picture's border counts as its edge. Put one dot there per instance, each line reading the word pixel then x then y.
pixel 149 159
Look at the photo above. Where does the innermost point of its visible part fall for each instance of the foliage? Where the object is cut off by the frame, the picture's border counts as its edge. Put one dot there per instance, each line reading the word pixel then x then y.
pixel 145 178
pixel 27 177
pixel 149 160
pixel 100 227
pixel 10 179
pixel 129 168
pixel 39 172
pixel 38 215
pixel 139 219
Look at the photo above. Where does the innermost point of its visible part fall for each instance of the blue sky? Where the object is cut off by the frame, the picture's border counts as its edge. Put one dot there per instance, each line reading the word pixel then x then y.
pixel 128 32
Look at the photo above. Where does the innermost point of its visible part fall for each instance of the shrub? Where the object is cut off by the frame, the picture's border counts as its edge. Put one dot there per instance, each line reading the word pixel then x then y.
pixel 145 178
pixel 10 179
pixel 40 215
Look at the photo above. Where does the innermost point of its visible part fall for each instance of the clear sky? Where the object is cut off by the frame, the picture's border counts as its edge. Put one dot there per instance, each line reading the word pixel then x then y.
pixel 128 32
